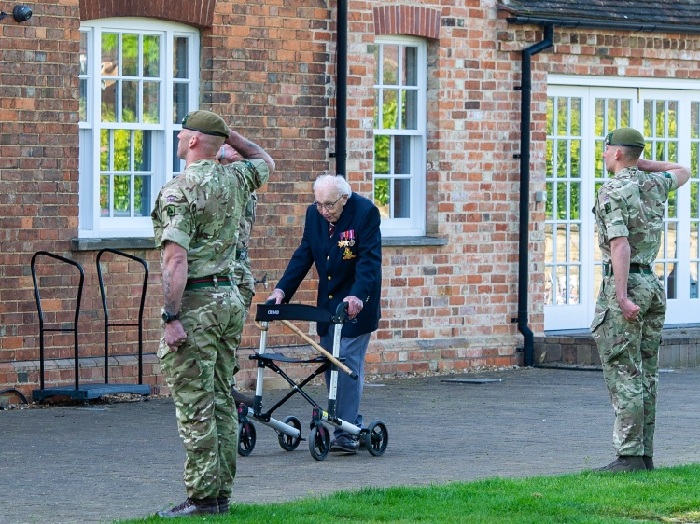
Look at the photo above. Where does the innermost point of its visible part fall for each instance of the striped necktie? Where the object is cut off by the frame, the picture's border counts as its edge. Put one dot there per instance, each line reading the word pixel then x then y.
pixel 331 229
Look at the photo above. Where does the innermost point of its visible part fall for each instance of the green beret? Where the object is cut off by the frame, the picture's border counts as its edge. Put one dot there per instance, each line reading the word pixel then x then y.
pixel 625 136
pixel 206 122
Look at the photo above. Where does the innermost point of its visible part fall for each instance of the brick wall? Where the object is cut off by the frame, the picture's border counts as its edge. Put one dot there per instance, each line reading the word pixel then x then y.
pixel 269 68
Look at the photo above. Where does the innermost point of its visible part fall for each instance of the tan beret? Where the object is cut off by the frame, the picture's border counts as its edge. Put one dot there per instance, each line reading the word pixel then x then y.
pixel 206 122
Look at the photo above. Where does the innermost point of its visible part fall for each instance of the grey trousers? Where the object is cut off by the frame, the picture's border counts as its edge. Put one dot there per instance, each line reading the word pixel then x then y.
pixel 349 392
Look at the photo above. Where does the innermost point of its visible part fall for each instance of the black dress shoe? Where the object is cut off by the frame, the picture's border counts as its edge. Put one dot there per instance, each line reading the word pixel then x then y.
pixel 345 443
pixel 192 507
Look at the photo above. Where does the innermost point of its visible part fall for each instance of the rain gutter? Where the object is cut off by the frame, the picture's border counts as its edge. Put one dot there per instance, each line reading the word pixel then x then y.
pixel 632 27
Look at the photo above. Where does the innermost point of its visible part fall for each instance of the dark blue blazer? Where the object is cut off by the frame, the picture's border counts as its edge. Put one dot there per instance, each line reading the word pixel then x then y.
pixel 348 264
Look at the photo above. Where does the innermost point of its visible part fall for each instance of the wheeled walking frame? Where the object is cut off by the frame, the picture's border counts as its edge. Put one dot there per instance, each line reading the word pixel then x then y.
pixel 374 437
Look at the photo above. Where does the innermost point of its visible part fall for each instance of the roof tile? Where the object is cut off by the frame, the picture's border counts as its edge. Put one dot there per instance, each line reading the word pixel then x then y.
pixel 646 12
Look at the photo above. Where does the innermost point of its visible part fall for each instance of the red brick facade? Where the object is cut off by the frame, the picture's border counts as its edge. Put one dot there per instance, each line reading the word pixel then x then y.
pixel 268 66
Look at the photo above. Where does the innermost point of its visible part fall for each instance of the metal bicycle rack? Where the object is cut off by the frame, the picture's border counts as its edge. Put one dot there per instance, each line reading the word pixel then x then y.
pixel 88 391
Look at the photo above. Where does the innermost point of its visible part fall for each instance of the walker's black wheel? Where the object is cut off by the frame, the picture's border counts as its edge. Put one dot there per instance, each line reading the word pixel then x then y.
pixel 289 442
pixel 319 442
pixel 376 438
pixel 246 438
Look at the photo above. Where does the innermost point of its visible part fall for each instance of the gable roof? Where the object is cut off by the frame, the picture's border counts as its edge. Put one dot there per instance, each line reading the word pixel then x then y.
pixel 671 16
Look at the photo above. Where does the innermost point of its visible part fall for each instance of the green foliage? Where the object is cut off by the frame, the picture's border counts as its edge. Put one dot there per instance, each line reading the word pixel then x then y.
pixel 381 191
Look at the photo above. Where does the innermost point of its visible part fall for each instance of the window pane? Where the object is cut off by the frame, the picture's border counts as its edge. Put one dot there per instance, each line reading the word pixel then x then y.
pixel 694 256
pixel 130 95
pixel 181 94
pixel 381 154
pixel 110 94
pixel 83 87
pixel 573 287
pixel 562 156
pixel 377 64
pixel 104 196
pixel 562 116
pixel 575 118
pixel 671 280
pixel 410 68
pixel 180 57
pixel 105 150
pixel 389 111
pixel 574 243
pixel 130 55
pixel 110 52
pixel 142 150
pixel 122 195
pixel 109 70
pixel 151 56
pixel 575 198
pixel 402 155
pixel 377 111
pixel 575 159
pixel 82 106
pixel 151 102
pixel 122 150
pixel 142 196
pixel 561 243
pixel 391 65
pixel 409 110
pixel 381 196
pixel 402 198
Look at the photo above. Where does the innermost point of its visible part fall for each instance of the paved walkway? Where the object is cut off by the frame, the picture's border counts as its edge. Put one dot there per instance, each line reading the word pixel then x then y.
pixel 98 463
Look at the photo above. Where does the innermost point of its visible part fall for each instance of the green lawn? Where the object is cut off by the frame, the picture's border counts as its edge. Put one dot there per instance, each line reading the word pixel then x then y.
pixel 665 495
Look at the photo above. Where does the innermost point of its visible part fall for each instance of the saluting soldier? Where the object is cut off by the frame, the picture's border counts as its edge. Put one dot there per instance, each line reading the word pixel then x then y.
pixel 195 220
pixel 631 306
pixel 242 273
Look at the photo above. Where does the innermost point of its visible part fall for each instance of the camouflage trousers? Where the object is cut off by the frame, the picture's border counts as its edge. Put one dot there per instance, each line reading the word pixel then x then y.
pixel 243 277
pixel 629 353
pixel 199 376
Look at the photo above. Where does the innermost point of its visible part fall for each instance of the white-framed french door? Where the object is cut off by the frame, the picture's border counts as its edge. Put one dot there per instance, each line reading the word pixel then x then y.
pixel 578 118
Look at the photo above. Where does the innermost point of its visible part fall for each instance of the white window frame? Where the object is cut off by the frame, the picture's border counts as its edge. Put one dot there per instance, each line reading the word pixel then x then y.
pixel 414 225
pixel 164 145
pixel 681 310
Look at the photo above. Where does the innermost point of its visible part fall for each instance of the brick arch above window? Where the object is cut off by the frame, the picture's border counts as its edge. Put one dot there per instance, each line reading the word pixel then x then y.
pixel 407 20
pixel 198 13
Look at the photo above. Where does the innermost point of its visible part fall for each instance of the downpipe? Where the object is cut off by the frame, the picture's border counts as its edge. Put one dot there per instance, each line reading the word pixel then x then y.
pixel 524 233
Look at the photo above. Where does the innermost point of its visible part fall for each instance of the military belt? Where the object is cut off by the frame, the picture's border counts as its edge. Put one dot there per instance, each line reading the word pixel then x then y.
pixel 214 280
pixel 634 268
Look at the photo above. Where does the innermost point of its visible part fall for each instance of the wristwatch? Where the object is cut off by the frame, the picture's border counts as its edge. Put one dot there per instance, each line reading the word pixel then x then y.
pixel 168 317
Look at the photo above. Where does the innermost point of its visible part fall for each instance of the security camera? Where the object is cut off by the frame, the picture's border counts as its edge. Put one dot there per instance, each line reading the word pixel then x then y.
pixel 21 13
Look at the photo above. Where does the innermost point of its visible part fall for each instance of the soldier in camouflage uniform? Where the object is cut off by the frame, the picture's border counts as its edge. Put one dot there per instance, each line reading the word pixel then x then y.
pixel 241 266
pixel 195 222
pixel 242 274
pixel 631 306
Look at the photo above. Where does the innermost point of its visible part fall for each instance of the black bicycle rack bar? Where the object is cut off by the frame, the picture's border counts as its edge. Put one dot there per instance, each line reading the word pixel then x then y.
pixel 85 391
pixel 109 324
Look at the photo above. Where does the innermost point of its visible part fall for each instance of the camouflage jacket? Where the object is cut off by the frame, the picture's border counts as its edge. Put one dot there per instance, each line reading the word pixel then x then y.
pixel 201 209
pixel 632 205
